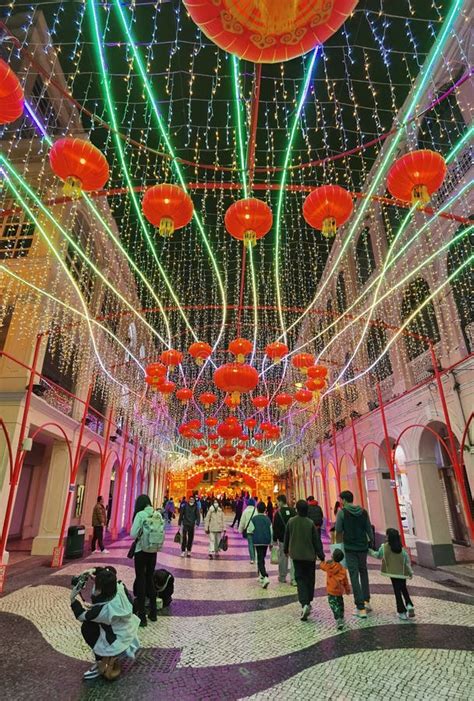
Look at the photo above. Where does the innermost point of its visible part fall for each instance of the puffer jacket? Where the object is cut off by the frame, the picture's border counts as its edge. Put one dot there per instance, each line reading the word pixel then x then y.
pixel 214 521
pixel 396 565
pixel 137 524
pixel 249 512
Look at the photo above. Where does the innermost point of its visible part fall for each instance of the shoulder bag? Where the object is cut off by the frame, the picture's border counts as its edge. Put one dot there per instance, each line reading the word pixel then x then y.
pixel 244 532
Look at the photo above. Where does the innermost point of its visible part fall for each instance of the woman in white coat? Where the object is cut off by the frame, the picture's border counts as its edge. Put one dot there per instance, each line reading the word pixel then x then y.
pixel 214 526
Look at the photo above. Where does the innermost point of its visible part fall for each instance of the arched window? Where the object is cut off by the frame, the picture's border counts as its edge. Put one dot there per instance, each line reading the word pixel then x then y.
pixel 341 297
pixel 463 285
pixel 424 324
pixel 444 125
pixel 365 259
pixel 376 344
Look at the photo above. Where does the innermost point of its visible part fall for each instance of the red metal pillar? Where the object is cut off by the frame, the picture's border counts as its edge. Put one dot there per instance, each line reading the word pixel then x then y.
pixel 58 551
pixel 132 486
pixel 19 454
pixel 452 444
pixel 311 477
pixel 325 486
pixel 336 456
pixel 105 454
pixel 391 466
pixel 143 471
pixel 121 470
pixel 358 465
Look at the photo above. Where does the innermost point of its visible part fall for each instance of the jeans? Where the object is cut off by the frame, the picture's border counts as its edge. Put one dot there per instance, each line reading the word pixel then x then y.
pixel 187 539
pixel 305 575
pixel 236 520
pixel 283 562
pixel 336 604
pixel 357 566
pixel 261 554
pixel 214 540
pixel 98 536
pixel 90 632
pixel 251 546
pixel 401 593
pixel 144 586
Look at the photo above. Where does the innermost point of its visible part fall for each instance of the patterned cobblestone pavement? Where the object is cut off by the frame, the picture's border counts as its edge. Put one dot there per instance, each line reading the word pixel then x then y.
pixel 226 638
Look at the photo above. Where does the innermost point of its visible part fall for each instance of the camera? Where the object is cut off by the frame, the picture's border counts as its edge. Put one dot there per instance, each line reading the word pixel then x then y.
pixel 79 581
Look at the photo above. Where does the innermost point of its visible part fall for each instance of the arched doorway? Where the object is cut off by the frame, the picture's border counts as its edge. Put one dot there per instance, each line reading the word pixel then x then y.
pixel 332 485
pixel 403 491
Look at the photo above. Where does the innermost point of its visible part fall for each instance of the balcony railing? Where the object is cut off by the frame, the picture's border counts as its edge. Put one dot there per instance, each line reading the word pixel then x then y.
pixel 456 172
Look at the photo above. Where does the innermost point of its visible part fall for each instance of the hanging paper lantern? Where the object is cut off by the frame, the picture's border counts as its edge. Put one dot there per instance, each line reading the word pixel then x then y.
pixel 248 220
pixel 276 351
pixel 211 421
pixel 215 446
pixel 154 381
pixel 200 351
pixel 236 379
pixel 184 430
pixel 11 95
pixel 240 347
pixel 213 436
pixel 156 370
pixel 168 207
pixel 327 208
pixel 302 361
pixel 283 400
pixel 317 372
pixel 416 176
pixel 227 451
pixel 260 402
pixel 316 385
pixel 229 430
pixel 171 358
pixel 250 423
pixel 80 164
pixel 231 403
pixel 272 432
pixel 258 436
pixel 207 399
pixel 194 424
pixel 166 388
pixel 269 31
pixel 303 396
pixel 184 395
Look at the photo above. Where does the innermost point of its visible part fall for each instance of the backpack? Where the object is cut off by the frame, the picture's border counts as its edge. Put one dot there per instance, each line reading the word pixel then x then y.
pixel 153 533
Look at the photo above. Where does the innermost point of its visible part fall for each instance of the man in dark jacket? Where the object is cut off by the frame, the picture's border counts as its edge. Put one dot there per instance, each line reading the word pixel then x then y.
pixel 239 506
pixel 303 545
pixel 189 517
pixel 354 530
pixel 315 512
pixel 280 519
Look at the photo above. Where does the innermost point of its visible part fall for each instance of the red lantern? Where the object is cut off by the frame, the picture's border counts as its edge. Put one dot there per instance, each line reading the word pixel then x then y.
pixel 171 358
pixel 214 446
pixel 317 372
pixel 211 421
pixel 184 430
pixel 303 396
pixel 236 379
pixel 227 451
pixel 166 388
pixel 154 381
pixel 156 370
pixel 200 351
pixel 213 436
pixel 240 347
pixel 250 423
pixel 276 351
pixel 80 164
pixel 302 361
pixel 416 176
pixel 283 400
pixel 260 402
pixel 207 398
pixel 231 403
pixel 194 424
pixel 168 207
pixel 269 31
pixel 316 385
pixel 11 95
pixel 327 208
pixel 229 430
pixel 258 436
pixel 184 395
pixel 248 220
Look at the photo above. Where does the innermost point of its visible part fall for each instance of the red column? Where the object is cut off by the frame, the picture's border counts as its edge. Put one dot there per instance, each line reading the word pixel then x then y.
pixel 132 486
pixel 325 485
pixel 338 474
pixel 114 531
pixel 357 464
pixel 105 454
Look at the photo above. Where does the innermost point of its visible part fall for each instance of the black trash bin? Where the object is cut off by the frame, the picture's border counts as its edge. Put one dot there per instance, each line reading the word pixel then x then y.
pixel 75 542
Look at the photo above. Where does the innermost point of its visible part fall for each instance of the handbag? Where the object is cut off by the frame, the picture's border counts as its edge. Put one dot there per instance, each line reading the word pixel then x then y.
pixel 177 538
pixel 224 542
pixel 131 552
pixel 244 532
pixel 274 557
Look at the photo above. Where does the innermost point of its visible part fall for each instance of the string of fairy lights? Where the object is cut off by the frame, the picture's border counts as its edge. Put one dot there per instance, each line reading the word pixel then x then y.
pixel 157 82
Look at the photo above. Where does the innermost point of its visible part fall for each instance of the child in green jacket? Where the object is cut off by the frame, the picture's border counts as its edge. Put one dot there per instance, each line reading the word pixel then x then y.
pixel 396 565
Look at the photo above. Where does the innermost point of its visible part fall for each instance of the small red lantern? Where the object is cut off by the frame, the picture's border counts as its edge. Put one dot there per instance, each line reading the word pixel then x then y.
pixel 283 400
pixel 260 402
pixel 240 347
pixel 184 394
pixel 317 372
pixel 250 423
pixel 194 424
pixel 231 403
pixel 168 207
pixel 156 370
pixel 200 351
pixel 276 351
pixel 229 430
pixel 258 436
pixel 11 95
pixel 227 451
pixel 166 388
pixel 184 430
pixel 154 381
pixel 236 379
pixel 416 176
pixel 80 164
pixel 171 358
pixel 211 421
pixel 248 220
pixel 212 436
pixel 302 361
pixel 207 399
pixel 303 396
pixel 215 446
pixel 327 208
pixel 316 385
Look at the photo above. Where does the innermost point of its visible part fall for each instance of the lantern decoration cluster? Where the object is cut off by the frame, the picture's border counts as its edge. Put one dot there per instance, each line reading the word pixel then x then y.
pixel 416 176
pixel 11 95
pixel 81 165
pixel 155 375
pixel 327 208
pixel 167 207
pixel 269 31
pixel 248 220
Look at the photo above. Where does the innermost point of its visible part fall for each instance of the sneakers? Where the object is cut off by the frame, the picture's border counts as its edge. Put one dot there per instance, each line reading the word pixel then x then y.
pixel 92 673
pixel 252 562
pixel 340 623
pixel 210 556
pixel 403 616
pixel 411 611
pixel 305 611
pixel 360 613
pixel 368 607
pixel 294 584
pixel 152 617
pixel 265 582
pixel 183 554
pixel 143 621
pixel 188 553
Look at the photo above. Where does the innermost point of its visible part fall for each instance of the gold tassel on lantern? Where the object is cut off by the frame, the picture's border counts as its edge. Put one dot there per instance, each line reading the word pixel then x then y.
pixel 166 227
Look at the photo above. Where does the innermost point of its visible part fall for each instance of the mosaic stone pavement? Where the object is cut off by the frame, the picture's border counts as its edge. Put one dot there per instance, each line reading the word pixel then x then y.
pixel 226 638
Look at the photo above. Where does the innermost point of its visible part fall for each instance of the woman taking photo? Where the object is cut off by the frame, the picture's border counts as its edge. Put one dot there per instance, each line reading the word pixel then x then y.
pixel 145 562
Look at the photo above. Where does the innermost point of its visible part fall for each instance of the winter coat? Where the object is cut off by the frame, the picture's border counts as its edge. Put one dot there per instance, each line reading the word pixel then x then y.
pixel 189 516
pixel 302 540
pixel 249 512
pixel 354 524
pixel 315 513
pixel 137 524
pixel 396 565
pixel 99 515
pixel 118 625
pixel 214 521
pixel 280 520
pixel 260 527
pixel 337 583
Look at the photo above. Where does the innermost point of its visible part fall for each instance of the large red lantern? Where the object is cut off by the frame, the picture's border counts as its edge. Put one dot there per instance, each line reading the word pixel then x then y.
pixel 184 394
pixel 260 402
pixel 11 95
pixel 194 424
pixel 168 207
pixel 317 372
pixel 248 220
pixel 207 398
pixel 80 164
pixel 327 208
pixel 236 379
pixel 240 347
pixel 200 351
pixel 276 351
pixel 283 400
pixel 171 358
pixel 302 361
pixel 269 31
pixel 416 176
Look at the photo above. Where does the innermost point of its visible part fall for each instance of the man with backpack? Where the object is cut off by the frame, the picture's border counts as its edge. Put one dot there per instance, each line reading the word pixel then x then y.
pixel 189 518
pixel 354 531
pixel 315 513
pixel 280 519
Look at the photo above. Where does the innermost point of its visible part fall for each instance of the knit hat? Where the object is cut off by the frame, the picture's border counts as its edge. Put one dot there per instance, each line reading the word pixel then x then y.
pixel 251 502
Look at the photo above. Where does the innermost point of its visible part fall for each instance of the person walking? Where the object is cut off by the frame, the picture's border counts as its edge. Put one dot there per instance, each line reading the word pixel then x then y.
pixel 270 509
pixel 247 516
pixel 315 512
pixel 99 520
pixel 204 507
pixel 396 565
pixel 170 509
pixel 189 518
pixel 354 531
pixel 280 520
pixel 239 506
pixel 145 562
pixel 332 531
pixel 214 526
pixel 303 545
pixel 260 528
pixel 337 585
